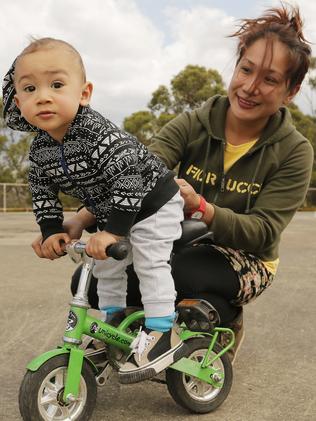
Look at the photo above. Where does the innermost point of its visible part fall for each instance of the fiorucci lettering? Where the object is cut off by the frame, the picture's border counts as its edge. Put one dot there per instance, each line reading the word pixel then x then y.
pixel 231 185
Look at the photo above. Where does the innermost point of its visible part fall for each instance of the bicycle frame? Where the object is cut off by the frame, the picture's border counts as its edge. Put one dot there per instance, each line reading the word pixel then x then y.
pixel 80 323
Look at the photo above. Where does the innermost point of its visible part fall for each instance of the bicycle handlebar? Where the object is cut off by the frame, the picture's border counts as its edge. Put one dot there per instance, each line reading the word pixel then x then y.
pixel 117 250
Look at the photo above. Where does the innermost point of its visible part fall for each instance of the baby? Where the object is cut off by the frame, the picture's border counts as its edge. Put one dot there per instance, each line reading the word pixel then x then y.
pixel 124 188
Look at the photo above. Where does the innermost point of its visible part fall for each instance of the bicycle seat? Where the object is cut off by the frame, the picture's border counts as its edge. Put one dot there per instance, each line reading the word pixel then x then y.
pixel 197 314
pixel 192 230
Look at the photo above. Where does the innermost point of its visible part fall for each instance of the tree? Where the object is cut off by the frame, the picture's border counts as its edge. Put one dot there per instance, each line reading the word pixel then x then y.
pixel 311 80
pixel 309 126
pixel 140 125
pixel 306 125
pixel 14 149
pixel 312 77
pixel 14 166
pixel 189 89
pixel 193 86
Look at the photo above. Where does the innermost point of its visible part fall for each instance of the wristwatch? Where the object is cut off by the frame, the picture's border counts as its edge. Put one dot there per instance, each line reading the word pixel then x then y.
pixel 200 211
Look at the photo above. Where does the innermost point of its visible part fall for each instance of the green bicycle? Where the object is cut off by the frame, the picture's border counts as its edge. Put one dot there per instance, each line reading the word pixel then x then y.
pixel 61 384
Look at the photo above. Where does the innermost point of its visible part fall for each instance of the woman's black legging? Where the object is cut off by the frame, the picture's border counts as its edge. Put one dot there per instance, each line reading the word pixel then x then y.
pixel 199 272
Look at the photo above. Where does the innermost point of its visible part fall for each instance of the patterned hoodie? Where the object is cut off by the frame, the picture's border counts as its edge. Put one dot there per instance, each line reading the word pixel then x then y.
pixel 107 169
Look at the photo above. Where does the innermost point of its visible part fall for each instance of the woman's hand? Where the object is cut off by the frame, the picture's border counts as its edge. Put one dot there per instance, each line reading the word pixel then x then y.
pixel 98 243
pixel 190 196
pixel 192 201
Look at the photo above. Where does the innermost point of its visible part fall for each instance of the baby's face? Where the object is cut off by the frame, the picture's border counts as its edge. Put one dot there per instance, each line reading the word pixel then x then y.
pixel 49 89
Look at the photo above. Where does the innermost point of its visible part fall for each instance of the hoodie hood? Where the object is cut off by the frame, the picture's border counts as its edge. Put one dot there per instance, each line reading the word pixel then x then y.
pixel 211 117
pixel 11 113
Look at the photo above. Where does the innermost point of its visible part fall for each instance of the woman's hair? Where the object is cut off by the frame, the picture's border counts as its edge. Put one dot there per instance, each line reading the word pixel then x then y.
pixel 45 43
pixel 285 25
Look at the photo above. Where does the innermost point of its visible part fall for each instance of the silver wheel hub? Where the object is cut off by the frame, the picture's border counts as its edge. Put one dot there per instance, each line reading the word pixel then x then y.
pixel 50 397
pixel 198 389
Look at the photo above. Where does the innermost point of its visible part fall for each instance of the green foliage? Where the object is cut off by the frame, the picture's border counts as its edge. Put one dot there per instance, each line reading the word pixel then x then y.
pixel 15 161
pixel 194 85
pixel 140 125
pixel 312 76
pixel 188 90
pixel 14 165
pixel 161 100
pixel 14 149
pixel 306 125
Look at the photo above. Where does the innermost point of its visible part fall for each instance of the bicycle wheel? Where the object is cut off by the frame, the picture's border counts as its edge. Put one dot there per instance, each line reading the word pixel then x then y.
pixel 194 394
pixel 41 392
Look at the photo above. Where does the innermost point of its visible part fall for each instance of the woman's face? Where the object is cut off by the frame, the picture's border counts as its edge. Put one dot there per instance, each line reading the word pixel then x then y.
pixel 259 87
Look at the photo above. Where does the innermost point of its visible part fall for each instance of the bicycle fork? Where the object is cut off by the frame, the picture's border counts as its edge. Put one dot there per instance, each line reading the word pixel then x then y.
pixel 79 323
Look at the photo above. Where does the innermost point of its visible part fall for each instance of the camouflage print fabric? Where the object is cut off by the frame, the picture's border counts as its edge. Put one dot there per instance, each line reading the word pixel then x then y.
pixel 253 276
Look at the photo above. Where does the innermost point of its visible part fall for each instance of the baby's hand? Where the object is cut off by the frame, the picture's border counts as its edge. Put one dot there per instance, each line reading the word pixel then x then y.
pixel 99 242
pixel 53 247
pixel 37 246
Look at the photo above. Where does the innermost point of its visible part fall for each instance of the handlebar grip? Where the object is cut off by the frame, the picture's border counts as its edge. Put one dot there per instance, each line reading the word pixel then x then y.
pixel 118 250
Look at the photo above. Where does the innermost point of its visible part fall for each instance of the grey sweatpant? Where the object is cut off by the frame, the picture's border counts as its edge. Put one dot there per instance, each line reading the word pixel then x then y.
pixel 151 243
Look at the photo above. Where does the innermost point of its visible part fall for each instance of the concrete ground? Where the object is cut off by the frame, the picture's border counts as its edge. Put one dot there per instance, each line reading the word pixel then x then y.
pixel 274 376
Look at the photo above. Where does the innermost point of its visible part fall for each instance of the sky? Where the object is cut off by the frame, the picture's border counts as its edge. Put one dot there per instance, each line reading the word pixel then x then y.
pixel 131 47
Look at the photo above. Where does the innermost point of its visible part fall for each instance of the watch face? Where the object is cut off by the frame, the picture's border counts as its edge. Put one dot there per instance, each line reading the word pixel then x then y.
pixel 197 215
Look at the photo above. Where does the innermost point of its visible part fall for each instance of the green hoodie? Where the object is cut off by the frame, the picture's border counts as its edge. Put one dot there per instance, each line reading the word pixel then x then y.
pixel 258 196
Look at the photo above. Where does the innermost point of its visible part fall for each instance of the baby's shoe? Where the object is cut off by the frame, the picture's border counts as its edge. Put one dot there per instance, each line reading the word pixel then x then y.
pixel 152 352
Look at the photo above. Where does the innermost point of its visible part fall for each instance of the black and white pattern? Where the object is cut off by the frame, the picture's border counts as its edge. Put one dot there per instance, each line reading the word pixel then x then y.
pixel 97 163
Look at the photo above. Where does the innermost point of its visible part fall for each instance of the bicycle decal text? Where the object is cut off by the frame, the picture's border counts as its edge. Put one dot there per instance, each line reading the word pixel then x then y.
pixel 94 328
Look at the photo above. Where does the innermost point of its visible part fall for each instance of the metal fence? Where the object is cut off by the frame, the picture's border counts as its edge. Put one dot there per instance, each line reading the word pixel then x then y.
pixel 15 197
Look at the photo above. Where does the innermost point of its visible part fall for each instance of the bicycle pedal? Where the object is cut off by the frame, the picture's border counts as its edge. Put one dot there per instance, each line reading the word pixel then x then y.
pixel 104 376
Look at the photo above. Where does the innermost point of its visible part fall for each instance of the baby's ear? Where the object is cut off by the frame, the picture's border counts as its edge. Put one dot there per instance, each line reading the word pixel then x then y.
pixel 86 93
pixel 16 100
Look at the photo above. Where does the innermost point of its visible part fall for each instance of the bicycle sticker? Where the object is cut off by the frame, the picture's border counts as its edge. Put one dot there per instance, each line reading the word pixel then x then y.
pixel 94 327
pixel 72 321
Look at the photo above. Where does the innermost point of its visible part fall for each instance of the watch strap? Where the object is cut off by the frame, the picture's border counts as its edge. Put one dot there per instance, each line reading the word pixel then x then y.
pixel 201 208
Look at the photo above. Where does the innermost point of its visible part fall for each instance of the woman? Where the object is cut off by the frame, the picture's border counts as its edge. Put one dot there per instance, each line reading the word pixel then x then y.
pixel 243 155
pixel 244 168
